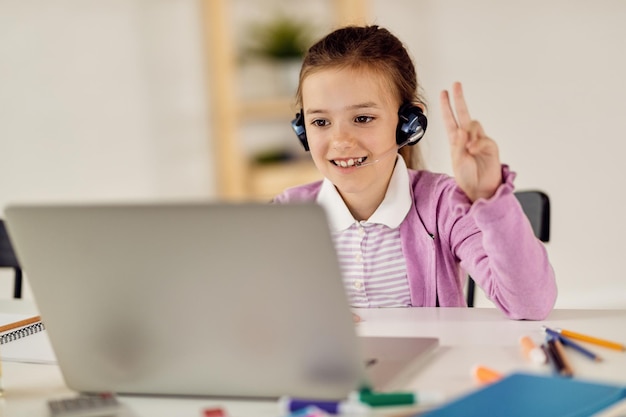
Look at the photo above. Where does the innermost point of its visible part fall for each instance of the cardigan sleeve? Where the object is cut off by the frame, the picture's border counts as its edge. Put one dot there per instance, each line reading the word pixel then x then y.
pixel 495 243
pixel 298 194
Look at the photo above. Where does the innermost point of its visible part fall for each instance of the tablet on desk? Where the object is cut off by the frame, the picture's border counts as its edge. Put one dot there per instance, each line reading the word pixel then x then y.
pixel 207 299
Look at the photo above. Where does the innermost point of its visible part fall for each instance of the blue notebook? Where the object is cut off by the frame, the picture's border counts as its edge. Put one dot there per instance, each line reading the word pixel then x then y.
pixel 520 394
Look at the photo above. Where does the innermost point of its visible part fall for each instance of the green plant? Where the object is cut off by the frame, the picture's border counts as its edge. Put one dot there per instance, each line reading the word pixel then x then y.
pixel 280 38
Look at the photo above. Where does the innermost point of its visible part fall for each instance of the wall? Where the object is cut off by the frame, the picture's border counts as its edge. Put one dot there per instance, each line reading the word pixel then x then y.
pixel 102 99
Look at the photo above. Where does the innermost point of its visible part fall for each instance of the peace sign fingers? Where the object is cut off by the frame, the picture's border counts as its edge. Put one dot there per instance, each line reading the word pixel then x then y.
pixel 462 113
pixel 462 119
pixel 475 159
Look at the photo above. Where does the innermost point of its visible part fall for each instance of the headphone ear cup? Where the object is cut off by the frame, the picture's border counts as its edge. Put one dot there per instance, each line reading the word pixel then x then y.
pixel 297 125
pixel 411 124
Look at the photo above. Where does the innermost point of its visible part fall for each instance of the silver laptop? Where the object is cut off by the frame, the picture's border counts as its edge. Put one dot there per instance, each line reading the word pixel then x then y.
pixel 207 299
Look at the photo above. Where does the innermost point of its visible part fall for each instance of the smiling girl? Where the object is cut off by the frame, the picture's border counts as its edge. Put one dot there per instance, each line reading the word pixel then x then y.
pixel 406 236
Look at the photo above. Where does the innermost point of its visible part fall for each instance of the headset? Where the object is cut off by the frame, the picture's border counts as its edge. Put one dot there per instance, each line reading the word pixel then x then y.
pixel 411 126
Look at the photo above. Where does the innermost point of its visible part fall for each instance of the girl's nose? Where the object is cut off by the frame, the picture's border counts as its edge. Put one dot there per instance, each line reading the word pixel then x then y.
pixel 342 137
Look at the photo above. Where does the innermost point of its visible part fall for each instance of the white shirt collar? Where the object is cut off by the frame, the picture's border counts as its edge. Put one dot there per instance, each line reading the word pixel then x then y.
pixel 390 212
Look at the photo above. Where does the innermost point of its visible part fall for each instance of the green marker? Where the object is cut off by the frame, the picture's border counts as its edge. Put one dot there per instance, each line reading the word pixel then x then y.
pixel 386 399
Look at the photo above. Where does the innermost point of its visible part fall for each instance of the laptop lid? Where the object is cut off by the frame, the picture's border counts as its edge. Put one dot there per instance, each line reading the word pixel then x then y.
pixel 213 299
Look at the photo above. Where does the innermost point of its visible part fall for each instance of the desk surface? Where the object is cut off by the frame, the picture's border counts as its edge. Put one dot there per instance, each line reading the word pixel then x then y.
pixel 468 337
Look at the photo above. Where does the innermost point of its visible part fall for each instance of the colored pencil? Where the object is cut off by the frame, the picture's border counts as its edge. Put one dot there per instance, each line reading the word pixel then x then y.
pixel 554 357
pixel 567 366
pixel 591 339
pixel 20 323
pixel 567 342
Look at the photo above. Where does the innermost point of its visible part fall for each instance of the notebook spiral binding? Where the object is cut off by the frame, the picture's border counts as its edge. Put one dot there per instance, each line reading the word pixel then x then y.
pixel 23 332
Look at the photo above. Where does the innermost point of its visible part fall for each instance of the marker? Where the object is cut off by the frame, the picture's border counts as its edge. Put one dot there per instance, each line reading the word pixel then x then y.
pixel 214 412
pixel 486 375
pixel 289 405
pixel 386 399
pixel 531 351
pixel 310 411
pixel 591 339
pixel 570 343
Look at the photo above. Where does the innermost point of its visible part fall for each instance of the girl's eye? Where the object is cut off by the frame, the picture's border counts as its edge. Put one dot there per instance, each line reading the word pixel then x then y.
pixel 363 119
pixel 319 122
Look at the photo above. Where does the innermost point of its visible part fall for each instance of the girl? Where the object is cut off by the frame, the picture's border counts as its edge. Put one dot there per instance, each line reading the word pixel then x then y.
pixel 404 236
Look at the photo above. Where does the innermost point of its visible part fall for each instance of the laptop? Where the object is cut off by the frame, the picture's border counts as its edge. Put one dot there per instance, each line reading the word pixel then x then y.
pixel 200 299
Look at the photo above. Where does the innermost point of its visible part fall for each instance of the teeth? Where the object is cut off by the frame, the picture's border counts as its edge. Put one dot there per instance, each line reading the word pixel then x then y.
pixel 350 162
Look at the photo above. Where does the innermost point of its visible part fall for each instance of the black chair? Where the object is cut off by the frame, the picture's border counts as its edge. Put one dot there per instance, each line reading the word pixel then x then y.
pixel 536 206
pixel 9 260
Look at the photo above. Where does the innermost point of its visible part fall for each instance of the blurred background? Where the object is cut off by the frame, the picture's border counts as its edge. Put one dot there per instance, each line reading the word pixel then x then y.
pixel 118 100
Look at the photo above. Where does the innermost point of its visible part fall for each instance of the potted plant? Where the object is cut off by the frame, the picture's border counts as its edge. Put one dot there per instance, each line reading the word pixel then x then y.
pixel 282 42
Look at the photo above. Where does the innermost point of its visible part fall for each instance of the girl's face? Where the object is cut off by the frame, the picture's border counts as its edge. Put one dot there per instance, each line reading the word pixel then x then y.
pixel 351 117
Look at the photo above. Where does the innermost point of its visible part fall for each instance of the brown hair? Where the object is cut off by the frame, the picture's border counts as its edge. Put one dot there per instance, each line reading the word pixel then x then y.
pixel 375 49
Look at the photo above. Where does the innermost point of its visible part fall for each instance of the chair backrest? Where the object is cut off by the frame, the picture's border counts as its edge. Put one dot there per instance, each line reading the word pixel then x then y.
pixel 9 260
pixel 536 206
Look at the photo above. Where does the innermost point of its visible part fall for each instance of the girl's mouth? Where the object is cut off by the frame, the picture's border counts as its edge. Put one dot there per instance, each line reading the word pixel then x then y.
pixel 345 163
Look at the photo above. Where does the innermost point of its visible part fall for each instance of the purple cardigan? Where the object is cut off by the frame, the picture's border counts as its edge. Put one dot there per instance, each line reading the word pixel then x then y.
pixel 444 237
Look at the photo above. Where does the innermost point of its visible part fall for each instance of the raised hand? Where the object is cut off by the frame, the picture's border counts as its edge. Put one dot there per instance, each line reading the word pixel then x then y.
pixel 475 159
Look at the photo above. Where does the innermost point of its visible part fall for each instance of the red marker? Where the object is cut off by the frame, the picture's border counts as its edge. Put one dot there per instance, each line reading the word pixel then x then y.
pixel 214 412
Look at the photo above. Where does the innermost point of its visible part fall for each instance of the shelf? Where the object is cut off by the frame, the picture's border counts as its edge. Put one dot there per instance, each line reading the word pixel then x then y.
pixel 237 179
pixel 264 109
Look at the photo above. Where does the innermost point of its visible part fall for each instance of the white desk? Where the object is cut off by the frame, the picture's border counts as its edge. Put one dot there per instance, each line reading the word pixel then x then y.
pixel 467 337
pixel 476 336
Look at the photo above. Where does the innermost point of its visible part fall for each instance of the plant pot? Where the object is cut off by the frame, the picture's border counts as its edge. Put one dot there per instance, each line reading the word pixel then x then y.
pixel 288 76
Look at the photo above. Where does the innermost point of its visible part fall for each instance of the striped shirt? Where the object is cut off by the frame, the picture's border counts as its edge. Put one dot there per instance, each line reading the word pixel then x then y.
pixel 373 266
pixel 370 252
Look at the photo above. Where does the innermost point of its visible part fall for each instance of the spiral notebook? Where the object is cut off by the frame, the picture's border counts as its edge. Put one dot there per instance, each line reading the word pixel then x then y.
pixel 26 343
pixel 207 299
